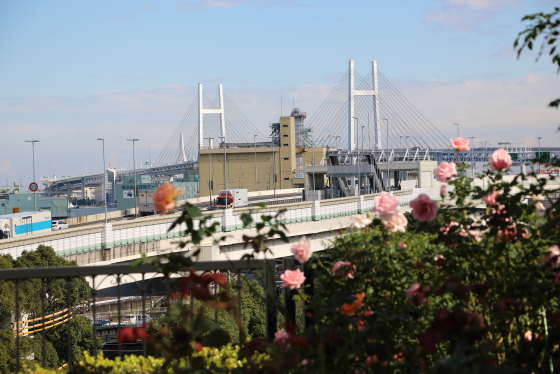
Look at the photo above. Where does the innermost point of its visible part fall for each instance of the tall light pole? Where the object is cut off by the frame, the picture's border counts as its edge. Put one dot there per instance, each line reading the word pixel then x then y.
pixel 210 182
pixel 134 140
pixel 225 163
pixel 33 141
pixel 313 162
pixel 539 138
pixel 358 161
pixel 388 179
pixel 406 140
pixel 256 183
pixel 472 154
pixel 273 167
pixel 104 179
pixel 358 158
pixel 456 124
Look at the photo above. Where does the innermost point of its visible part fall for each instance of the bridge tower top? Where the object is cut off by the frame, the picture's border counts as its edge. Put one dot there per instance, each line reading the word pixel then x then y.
pixel 202 112
pixel 352 92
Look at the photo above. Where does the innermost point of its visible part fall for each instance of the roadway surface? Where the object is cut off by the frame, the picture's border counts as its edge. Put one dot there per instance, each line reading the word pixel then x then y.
pixel 253 201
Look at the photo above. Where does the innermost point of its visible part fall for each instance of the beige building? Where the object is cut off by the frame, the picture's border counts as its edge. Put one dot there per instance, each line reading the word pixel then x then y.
pixel 255 168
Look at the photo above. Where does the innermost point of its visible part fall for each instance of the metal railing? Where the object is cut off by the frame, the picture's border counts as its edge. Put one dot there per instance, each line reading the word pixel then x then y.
pixel 121 281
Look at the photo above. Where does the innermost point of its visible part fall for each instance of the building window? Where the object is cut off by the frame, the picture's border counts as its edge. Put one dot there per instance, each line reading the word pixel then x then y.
pixel 284 125
pixel 286 158
pixel 285 145
pixel 286 179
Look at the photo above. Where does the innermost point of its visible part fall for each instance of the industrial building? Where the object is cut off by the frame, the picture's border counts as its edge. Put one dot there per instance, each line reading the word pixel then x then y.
pixel 259 166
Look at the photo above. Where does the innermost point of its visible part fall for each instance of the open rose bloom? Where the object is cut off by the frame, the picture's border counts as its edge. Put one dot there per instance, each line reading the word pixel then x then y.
pixel 445 171
pixel 423 208
pixel 292 279
pixel 165 197
pixel 460 144
pixel 500 160
pixel 385 205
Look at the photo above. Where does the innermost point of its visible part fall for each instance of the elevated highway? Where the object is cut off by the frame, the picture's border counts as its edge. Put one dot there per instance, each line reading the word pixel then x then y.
pixel 123 241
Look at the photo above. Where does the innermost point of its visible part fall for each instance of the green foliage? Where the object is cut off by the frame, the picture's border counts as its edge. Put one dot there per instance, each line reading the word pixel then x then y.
pixel 56 289
pixel 82 339
pixel 214 360
pixel 252 313
pixel 547 26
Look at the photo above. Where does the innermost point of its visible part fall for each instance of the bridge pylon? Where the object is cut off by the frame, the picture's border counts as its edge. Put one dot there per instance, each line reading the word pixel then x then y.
pixel 352 92
pixel 202 112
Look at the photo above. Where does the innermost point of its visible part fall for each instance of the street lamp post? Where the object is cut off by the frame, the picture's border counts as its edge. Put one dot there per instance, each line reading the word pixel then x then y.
pixel 539 138
pixel 387 122
pixel 256 182
pixel 104 179
pixel 358 158
pixel 33 141
pixel 225 163
pixel 210 182
pixel 363 127
pixel 313 162
pixel 273 167
pixel 134 140
pixel 472 154
pixel 406 140
pixel 456 124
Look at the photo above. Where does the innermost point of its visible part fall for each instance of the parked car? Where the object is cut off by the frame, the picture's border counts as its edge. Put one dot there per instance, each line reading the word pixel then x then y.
pixel 57 225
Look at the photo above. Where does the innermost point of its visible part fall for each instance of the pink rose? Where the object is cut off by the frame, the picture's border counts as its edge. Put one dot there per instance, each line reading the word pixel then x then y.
pixel 292 278
pixel 500 160
pixel 359 222
pixel 555 252
pixel 445 171
pixel 511 234
pixel 402 245
pixel 417 294
pixel 412 290
pixel 460 144
pixel 385 205
pixel 528 336
pixel 443 191
pixel 281 338
pixel 347 266
pixel 490 199
pixel 302 250
pixel 445 230
pixel 395 223
pixel 423 208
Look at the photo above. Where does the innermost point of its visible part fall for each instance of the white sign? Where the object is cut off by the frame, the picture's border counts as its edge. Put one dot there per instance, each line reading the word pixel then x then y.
pixel 128 194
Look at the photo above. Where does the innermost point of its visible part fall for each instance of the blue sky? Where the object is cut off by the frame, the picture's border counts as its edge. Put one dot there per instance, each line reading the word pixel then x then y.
pixel 72 71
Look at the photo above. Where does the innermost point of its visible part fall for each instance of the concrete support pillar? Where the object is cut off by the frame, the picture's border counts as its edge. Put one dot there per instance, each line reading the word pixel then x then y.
pixel 361 205
pixel 316 210
pixel 107 236
pixel 228 221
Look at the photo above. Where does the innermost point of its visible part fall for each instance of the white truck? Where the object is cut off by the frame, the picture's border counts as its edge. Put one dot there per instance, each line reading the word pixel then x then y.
pixel 25 223
pixel 232 198
pixel 146 202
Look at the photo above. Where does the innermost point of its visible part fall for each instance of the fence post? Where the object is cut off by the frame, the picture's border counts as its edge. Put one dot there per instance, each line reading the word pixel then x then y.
pixel 308 289
pixel 270 290
pixel 17 327
pixel 69 321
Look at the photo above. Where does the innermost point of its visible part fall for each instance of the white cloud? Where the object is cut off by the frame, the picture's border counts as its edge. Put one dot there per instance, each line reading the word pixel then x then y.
pixel 467 15
pixel 188 6
pixel 508 109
